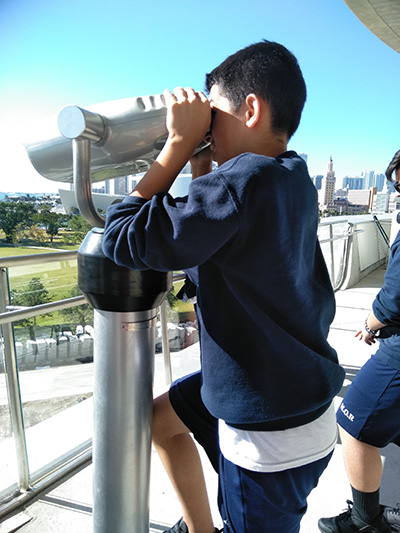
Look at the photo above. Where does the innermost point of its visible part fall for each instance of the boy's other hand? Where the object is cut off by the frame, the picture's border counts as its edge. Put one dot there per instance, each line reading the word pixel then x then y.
pixel 201 163
pixel 188 116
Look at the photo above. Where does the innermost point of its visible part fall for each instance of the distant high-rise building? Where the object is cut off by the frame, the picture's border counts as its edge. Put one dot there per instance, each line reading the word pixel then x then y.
pixel 121 185
pixel 304 156
pixel 317 180
pixel 328 185
pixel 369 176
pixel 355 183
pixel 381 204
pixel 379 181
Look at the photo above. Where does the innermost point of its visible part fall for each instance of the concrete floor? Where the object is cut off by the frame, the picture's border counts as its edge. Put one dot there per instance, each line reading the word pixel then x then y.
pixel 68 508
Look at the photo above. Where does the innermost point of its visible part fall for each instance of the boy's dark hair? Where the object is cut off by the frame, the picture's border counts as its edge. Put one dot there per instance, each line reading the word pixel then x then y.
pixel 270 71
pixel 393 165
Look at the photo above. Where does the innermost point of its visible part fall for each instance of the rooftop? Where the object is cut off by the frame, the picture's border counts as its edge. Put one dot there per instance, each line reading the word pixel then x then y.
pixel 382 17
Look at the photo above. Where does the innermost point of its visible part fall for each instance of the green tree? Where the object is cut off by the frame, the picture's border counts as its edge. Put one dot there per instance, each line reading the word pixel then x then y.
pixel 79 226
pixel 34 294
pixel 81 314
pixel 50 220
pixel 36 234
pixel 13 214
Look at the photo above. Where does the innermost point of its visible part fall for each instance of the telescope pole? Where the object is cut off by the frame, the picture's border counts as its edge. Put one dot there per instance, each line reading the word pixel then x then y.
pixel 124 354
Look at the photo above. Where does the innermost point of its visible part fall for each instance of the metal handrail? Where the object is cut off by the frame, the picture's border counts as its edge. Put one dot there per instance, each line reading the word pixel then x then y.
pixel 36 259
pixel 41 309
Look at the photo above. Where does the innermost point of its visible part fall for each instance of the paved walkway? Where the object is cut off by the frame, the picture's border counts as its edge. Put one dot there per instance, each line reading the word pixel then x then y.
pixel 68 508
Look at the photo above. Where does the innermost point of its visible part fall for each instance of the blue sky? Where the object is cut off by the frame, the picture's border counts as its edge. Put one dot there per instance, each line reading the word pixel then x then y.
pixel 59 52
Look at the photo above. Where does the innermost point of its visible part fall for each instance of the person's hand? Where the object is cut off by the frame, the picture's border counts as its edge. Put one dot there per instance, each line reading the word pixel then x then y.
pixel 201 163
pixel 363 335
pixel 188 116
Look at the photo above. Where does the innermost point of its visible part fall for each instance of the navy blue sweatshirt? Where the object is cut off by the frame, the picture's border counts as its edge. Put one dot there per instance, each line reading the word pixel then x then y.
pixel 247 235
pixel 386 308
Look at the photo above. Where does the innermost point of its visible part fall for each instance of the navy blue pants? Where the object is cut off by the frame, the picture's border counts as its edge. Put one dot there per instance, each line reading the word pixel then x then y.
pixel 249 502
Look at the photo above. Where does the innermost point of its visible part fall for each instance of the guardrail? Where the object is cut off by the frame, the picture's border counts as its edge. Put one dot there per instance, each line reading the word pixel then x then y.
pixel 335 239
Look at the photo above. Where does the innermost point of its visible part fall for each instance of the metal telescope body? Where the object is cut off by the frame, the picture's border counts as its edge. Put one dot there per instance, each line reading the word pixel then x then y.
pixel 109 140
pixel 101 142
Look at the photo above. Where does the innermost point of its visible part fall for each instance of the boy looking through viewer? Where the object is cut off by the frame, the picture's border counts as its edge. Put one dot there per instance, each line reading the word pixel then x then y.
pixel 246 235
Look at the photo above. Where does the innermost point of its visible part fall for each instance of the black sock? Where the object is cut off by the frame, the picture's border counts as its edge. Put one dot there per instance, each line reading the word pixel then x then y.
pixel 366 505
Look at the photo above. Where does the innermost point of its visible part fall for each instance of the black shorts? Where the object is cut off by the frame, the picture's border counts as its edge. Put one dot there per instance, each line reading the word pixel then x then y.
pixel 185 398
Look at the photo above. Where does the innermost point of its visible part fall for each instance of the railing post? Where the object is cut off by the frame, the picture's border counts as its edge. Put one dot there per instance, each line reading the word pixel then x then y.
pixel 165 343
pixel 332 254
pixel 13 389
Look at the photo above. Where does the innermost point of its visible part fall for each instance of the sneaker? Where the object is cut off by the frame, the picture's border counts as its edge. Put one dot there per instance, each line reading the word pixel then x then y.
pixel 181 527
pixel 392 517
pixel 346 522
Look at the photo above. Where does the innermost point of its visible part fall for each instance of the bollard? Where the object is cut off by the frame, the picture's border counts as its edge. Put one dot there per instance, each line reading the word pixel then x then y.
pixel 125 303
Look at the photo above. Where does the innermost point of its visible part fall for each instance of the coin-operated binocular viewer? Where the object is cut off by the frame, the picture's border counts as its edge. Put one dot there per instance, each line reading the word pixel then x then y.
pixel 103 142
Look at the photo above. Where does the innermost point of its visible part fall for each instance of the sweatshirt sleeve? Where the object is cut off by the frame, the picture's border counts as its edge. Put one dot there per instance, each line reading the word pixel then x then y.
pixel 172 234
pixel 386 306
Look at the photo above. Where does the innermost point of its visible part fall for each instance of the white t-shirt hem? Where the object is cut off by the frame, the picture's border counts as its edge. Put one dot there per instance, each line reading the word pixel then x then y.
pixel 274 451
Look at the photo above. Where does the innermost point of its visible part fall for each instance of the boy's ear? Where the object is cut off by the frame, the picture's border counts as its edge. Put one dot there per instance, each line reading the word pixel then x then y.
pixel 253 110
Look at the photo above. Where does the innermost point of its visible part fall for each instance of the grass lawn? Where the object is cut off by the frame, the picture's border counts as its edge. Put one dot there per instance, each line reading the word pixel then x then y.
pixel 59 278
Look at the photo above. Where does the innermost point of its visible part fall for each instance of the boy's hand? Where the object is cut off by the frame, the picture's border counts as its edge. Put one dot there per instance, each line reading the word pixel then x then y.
pixel 201 163
pixel 188 120
pixel 188 116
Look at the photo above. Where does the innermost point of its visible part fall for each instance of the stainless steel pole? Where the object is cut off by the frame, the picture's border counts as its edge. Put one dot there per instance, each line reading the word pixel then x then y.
pixel 124 364
pixel 13 390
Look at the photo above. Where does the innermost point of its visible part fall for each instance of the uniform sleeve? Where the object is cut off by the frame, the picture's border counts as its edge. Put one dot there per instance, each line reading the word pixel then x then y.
pixel 386 306
pixel 172 234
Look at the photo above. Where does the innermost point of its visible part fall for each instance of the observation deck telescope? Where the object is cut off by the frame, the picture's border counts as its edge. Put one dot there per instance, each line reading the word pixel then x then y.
pixel 82 146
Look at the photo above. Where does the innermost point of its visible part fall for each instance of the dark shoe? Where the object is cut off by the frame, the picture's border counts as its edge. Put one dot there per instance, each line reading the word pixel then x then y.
pixel 347 522
pixel 392 517
pixel 181 527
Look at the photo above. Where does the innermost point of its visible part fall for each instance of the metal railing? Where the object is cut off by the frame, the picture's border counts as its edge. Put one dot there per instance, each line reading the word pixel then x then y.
pixel 337 260
pixel 335 238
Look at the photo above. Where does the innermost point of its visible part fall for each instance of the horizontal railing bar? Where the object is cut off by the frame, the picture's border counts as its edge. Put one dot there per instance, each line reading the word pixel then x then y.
pixel 333 223
pixel 12 316
pixel 46 485
pixel 341 237
pixel 34 259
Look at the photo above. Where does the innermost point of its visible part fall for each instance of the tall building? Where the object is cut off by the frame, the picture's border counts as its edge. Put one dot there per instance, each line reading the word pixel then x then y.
pixel 328 186
pixel 379 181
pixel 353 183
pixel 317 180
pixel 369 176
pixel 121 185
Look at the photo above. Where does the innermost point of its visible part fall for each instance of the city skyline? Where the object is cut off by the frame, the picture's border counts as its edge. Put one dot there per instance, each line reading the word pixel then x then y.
pixel 59 53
